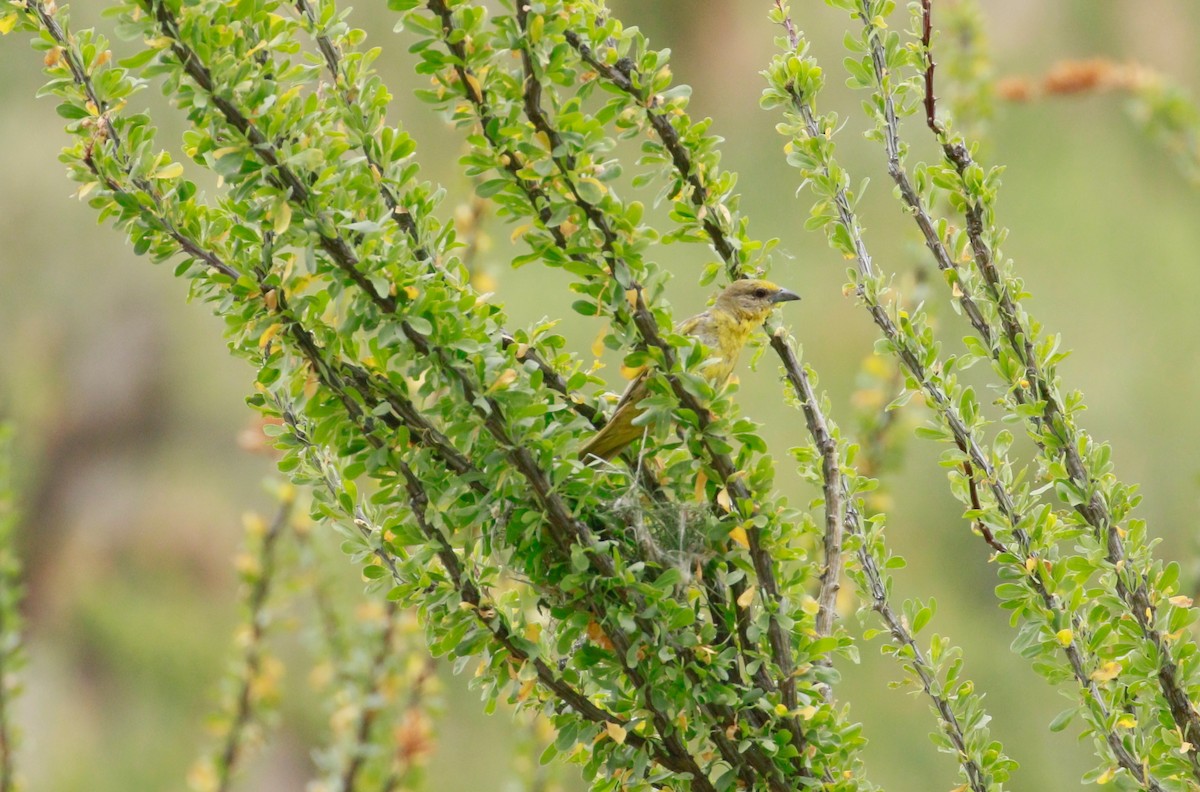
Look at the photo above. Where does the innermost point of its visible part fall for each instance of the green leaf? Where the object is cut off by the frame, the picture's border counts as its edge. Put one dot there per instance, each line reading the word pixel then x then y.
pixel 1062 719
pixel 71 111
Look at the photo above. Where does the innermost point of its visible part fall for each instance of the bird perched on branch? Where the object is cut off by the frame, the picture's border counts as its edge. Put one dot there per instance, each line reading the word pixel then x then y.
pixel 724 328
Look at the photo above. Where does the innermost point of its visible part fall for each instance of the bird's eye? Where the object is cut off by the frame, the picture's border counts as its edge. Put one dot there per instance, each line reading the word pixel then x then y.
pixel 760 292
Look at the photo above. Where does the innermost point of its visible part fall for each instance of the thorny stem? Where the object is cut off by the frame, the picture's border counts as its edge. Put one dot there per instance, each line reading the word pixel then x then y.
pixel 819 428
pixel 678 759
pixel 781 344
pixel 831 475
pixel 926 36
pixel 646 325
pixel 404 219
pixel 941 402
pixel 332 376
pixel 486 613
pixel 1053 419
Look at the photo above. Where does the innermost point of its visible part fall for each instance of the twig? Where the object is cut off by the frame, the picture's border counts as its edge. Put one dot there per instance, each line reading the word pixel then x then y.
pixel 941 402
pixel 660 120
pixel 369 710
pixel 252 656
pixel 1054 421
pixel 404 219
pixel 647 326
pixel 468 589
pixel 926 38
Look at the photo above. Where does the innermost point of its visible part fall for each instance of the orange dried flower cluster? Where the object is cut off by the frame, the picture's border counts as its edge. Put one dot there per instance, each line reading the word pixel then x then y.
pixel 1068 77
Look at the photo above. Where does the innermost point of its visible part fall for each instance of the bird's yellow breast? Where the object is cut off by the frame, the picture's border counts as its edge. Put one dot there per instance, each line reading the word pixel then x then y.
pixel 725 334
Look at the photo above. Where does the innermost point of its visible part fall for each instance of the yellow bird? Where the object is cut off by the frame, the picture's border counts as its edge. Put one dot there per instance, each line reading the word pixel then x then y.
pixel 724 328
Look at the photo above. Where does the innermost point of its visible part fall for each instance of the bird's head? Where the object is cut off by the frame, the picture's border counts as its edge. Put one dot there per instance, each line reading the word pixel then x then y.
pixel 752 300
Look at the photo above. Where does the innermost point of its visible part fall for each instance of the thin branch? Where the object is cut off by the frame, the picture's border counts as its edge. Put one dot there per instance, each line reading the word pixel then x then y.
pixel 469 591
pixel 369 710
pixel 1054 421
pixel 404 219
pixel 851 521
pixel 833 484
pixel 660 120
pixel 338 377
pixel 252 659
pixel 926 37
pixel 966 440
pixel 647 327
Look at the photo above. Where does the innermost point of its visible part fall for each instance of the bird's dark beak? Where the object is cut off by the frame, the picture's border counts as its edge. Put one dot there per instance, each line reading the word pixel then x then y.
pixel 783 295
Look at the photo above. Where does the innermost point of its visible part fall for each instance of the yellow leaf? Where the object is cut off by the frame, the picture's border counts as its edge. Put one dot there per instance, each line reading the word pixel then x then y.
pixel 598 344
pixel 1065 637
pixel 171 171
pixel 616 732
pixel 701 481
pixel 725 503
pixel 807 712
pixel 1126 722
pixel 473 84
pixel 83 191
pixel 1106 776
pixel 268 334
pixel 738 535
pixel 503 381
pixel 747 597
pixel 283 217
pixel 1181 601
pixel 1109 670
pixel 632 372
pixel 412 291
pixel 7 23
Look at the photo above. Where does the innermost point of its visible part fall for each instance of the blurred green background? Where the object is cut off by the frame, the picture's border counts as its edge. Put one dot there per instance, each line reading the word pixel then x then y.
pixel 128 408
